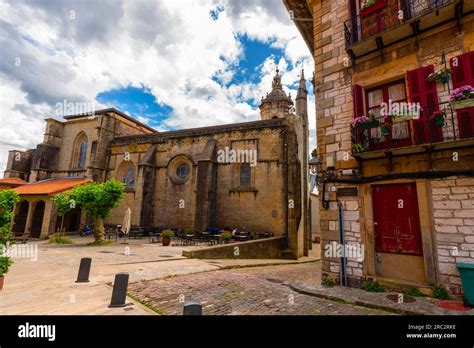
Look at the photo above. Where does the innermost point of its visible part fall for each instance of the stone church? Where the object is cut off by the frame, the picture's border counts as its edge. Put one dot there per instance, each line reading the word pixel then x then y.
pixel 176 178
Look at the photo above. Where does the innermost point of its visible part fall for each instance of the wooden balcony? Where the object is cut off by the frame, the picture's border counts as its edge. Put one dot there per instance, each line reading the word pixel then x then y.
pixel 396 21
pixel 416 136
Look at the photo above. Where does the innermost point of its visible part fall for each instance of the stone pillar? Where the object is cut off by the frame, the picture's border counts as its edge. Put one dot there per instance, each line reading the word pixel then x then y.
pixel 48 209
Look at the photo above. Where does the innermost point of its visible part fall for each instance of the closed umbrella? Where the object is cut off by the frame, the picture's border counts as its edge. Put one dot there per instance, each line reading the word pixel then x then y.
pixel 127 219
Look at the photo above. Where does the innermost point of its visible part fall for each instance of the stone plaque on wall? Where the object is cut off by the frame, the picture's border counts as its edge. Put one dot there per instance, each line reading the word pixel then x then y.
pixel 347 191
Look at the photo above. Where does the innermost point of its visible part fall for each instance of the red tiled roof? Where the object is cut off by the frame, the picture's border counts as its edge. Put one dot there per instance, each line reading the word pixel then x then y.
pixel 50 186
pixel 12 182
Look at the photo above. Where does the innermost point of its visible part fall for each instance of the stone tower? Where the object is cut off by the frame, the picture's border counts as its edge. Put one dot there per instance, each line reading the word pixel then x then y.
pixel 302 97
pixel 276 104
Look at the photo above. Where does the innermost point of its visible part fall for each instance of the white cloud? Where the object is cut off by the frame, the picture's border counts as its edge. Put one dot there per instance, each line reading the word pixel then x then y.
pixel 74 50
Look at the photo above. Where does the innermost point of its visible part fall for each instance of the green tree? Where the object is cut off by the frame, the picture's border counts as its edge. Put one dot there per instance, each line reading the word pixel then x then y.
pixel 8 198
pixel 64 203
pixel 98 200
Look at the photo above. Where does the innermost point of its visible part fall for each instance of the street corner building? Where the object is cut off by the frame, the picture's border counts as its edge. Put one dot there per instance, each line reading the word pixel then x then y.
pixel 239 175
pixel 395 135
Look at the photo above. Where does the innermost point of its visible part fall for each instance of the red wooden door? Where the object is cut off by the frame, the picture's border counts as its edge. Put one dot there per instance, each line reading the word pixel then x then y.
pixel 425 93
pixel 462 68
pixel 396 219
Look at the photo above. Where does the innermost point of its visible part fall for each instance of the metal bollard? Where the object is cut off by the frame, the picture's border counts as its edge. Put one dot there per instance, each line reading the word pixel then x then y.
pixel 192 308
pixel 84 270
pixel 119 293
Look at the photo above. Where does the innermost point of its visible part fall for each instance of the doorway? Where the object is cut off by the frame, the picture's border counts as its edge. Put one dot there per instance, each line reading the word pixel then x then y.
pixel 398 243
pixel 20 218
pixel 37 221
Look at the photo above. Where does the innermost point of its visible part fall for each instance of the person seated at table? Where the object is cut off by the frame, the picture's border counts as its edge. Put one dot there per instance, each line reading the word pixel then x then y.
pixel 234 231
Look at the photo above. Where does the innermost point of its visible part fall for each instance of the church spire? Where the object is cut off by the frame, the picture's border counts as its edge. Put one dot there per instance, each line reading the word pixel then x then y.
pixel 302 91
pixel 302 97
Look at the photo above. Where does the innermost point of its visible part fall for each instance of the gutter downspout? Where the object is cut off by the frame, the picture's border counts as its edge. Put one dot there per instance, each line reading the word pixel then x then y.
pixel 342 268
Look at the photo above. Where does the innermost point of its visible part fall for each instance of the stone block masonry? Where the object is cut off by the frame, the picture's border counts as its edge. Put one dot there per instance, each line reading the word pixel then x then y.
pixel 453 214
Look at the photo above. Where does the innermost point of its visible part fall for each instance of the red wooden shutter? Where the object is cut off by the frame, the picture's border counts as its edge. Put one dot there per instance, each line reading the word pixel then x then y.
pixel 358 106
pixel 425 93
pixel 462 68
pixel 358 100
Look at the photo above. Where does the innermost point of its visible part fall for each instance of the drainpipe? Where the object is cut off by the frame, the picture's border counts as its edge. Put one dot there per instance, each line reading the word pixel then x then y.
pixel 342 268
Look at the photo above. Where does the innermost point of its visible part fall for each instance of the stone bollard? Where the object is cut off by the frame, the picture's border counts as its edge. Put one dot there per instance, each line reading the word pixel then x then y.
pixel 84 270
pixel 192 308
pixel 119 293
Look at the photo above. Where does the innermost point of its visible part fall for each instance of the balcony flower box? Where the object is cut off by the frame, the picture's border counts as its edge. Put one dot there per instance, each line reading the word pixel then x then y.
pixel 358 148
pixel 462 104
pixel 462 97
pixel 371 6
pixel 364 122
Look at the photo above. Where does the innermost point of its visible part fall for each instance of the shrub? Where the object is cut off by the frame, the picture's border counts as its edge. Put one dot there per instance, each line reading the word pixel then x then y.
pixel 440 292
pixel 5 263
pixel 415 292
pixel 328 282
pixel 167 233
pixel 58 239
pixel 225 236
pixel 189 231
pixel 372 287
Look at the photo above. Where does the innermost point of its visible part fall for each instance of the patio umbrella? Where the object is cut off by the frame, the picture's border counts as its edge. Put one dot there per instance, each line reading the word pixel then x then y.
pixel 127 220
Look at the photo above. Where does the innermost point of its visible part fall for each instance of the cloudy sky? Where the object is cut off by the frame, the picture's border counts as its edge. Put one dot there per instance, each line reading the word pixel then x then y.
pixel 169 63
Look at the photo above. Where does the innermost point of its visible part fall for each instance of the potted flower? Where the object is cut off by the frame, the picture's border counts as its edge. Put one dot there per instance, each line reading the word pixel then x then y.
pixel 443 75
pixel 386 126
pixel 358 148
pixel 462 97
pixel 166 237
pixel 364 122
pixel 438 118
pixel 370 6
pixel 225 237
pixel 5 263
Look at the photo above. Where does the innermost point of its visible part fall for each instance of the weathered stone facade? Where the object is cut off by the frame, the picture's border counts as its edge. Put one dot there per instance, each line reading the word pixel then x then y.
pixel 351 50
pixel 182 178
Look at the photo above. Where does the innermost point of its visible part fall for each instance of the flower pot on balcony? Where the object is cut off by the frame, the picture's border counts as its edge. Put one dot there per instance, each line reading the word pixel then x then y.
pixel 466 270
pixel 386 130
pixel 378 5
pixel 462 104
pixel 368 125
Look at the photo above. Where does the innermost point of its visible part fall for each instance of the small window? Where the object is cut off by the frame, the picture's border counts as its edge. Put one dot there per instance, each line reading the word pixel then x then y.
pixel 182 171
pixel 129 178
pixel 245 174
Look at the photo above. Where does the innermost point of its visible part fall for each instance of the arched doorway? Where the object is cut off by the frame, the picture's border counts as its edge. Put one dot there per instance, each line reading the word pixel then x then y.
pixel 37 221
pixel 20 218
pixel 72 220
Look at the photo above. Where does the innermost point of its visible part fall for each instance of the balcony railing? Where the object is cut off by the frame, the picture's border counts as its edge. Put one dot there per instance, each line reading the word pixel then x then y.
pixel 393 14
pixel 458 125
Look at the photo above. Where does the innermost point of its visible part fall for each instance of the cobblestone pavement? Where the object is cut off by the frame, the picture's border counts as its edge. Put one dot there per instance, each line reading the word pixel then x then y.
pixel 250 291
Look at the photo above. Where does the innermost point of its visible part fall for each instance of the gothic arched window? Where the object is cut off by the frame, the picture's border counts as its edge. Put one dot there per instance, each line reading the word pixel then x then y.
pixel 129 177
pixel 245 174
pixel 80 152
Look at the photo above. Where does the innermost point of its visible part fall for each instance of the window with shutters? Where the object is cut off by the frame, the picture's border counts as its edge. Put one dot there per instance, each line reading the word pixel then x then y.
pixel 390 93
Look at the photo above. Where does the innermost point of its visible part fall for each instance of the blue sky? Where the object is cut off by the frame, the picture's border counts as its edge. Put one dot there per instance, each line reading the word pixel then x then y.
pixel 141 102
pixel 167 65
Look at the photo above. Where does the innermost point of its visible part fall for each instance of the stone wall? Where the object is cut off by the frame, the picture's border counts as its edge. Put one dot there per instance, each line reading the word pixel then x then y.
pixel 453 211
